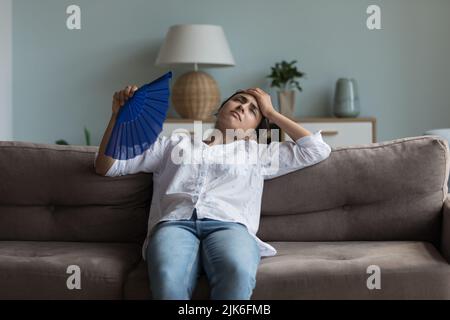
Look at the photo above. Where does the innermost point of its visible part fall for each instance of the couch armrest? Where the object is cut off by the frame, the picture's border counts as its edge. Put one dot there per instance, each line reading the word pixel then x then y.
pixel 445 240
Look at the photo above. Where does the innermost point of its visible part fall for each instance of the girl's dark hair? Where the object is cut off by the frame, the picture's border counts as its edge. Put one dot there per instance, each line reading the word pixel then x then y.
pixel 264 124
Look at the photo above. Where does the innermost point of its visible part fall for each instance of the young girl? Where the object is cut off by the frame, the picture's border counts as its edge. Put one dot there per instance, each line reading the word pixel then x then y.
pixel 205 213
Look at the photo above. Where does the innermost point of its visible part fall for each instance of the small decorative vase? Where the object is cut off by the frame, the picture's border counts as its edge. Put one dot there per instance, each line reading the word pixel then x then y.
pixel 346 98
pixel 286 102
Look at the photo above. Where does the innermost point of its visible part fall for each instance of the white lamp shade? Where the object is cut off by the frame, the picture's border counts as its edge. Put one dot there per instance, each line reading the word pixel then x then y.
pixel 195 44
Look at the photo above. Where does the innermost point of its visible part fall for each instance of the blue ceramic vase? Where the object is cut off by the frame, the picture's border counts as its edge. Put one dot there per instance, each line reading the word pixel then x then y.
pixel 346 98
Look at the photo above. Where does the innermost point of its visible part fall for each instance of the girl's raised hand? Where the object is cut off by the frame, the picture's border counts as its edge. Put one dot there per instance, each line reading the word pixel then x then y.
pixel 120 97
pixel 264 101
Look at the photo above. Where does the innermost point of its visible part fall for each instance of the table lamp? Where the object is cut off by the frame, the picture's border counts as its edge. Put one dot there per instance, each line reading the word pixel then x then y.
pixel 195 94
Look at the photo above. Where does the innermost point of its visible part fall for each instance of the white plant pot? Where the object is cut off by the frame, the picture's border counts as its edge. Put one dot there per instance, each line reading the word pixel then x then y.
pixel 286 102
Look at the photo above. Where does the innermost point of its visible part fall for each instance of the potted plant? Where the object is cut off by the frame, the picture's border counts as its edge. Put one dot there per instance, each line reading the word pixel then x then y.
pixel 284 77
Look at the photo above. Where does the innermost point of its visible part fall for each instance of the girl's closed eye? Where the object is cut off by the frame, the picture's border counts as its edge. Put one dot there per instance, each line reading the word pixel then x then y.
pixel 252 108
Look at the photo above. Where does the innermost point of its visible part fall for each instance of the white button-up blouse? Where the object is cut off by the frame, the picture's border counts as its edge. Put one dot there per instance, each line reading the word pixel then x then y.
pixel 223 181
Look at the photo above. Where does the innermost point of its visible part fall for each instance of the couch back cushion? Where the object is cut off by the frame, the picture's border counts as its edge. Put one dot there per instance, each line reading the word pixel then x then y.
pixel 391 190
pixel 52 193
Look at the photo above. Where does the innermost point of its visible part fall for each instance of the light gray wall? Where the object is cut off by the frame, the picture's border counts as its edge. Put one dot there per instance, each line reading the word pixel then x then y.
pixel 65 79
pixel 6 70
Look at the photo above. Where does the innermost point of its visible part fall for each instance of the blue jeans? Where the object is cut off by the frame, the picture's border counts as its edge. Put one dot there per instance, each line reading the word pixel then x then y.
pixel 180 251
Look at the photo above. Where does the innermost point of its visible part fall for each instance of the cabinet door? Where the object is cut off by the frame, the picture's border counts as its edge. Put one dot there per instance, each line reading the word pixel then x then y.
pixel 340 134
pixel 169 127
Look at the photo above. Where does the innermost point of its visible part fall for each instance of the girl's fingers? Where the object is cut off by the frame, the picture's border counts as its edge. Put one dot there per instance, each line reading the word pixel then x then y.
pixel 254 93
pixel 122 97
pixel 251 91
pixel 133 90
pixel 259 90
pixel 127 91
pixel 256 90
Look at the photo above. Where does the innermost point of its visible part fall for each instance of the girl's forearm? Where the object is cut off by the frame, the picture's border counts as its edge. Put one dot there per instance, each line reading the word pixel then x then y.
pixel 293 129
pixel 103 162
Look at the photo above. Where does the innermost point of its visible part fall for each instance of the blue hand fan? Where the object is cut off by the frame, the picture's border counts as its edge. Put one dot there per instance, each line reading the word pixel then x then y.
pixel 140 120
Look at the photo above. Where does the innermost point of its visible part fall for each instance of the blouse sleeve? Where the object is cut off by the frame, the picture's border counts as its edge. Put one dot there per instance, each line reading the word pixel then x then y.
pixel 149 161
pixel 280 158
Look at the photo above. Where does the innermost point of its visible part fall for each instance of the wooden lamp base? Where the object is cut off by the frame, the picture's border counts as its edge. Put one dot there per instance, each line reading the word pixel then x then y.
pixel 195 95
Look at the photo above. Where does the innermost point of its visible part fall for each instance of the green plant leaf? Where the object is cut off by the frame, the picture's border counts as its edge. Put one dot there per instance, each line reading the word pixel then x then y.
pixel 284 74
pixel 87 136
pixel 61 141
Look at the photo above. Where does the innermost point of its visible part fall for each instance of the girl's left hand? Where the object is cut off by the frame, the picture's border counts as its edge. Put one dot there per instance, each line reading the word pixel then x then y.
pixel 264 101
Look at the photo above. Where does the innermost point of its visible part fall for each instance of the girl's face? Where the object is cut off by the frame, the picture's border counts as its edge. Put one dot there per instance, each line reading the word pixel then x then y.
pixel 241 111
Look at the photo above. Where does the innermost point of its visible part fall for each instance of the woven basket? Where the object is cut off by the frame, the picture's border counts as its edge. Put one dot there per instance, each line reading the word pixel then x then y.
pixel 195 95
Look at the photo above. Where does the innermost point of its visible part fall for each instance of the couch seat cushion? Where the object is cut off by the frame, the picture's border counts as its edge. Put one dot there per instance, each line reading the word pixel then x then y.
pixel 38 270
pixel 338 270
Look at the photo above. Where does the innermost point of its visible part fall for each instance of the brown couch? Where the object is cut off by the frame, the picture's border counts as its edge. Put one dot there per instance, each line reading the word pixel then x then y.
pixel 383 204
